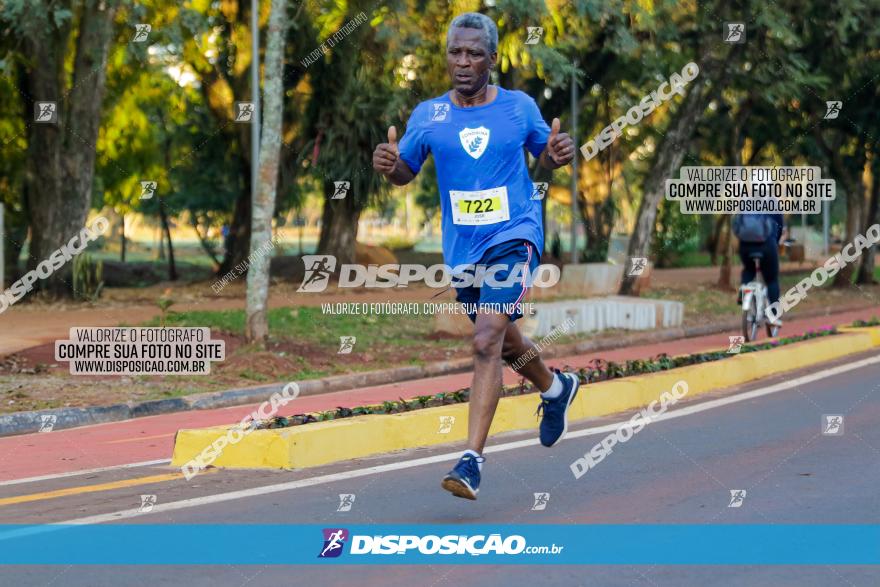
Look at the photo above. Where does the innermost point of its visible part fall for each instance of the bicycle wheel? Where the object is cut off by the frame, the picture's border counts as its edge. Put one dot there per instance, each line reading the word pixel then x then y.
pixel 750 322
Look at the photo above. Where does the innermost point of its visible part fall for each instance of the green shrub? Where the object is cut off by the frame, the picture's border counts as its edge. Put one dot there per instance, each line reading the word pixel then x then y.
pixel 88 278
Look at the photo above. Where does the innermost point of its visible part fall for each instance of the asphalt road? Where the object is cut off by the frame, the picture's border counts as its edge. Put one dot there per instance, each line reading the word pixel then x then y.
pixel 679 470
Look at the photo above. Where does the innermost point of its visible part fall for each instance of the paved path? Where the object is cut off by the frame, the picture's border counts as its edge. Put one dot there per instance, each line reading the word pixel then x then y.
pixel 675 471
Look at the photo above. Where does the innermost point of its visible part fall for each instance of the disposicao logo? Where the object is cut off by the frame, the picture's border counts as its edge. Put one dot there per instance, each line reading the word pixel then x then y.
pixel 334 540
pixel 433 544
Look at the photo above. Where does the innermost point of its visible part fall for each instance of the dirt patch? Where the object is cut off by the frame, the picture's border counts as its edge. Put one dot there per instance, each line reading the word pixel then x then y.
pixel 32 380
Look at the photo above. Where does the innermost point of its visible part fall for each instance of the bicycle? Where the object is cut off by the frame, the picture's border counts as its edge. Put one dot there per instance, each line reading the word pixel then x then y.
pixel 754 304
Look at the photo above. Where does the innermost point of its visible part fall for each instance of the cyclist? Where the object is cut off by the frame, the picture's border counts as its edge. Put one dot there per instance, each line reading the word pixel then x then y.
pixel 760 234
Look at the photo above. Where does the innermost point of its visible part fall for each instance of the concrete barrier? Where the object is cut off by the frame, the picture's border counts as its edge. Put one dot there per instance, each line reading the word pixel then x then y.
pixel 597 314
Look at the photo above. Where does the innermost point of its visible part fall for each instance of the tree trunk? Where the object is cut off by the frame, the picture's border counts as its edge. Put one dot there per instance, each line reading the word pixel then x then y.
pixel 866 267
pixel 670 153
pixel 166 229
pixel 725 274
pixel 61 155
pixel 854 214
pixel 855 208
pixel 122 238
pixel 239 237
pixel 160 250
pixel 734 158
pixel 270 153
pixel 15 234
pixel 714 243
pixel 850 176
pixel 339 226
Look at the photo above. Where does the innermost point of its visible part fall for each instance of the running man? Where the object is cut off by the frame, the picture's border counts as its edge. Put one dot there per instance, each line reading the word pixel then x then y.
pixel 476 133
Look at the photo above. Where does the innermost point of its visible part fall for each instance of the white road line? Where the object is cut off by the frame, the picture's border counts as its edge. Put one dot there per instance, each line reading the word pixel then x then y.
pixel 345 475
pixel 84 472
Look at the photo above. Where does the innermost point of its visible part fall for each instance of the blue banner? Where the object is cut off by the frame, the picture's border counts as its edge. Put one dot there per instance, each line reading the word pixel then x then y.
pixel 218 544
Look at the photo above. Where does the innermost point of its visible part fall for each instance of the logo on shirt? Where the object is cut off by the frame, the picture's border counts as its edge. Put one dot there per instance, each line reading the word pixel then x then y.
pixel 474 140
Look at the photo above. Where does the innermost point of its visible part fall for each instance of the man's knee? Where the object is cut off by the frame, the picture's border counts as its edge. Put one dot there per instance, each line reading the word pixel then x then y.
pixel 487 343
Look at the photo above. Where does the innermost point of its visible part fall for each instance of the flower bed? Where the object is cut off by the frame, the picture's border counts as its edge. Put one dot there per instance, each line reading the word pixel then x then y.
pixel 597 370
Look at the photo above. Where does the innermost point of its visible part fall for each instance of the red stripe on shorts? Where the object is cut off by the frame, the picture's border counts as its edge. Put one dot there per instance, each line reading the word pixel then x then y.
pixel 528 264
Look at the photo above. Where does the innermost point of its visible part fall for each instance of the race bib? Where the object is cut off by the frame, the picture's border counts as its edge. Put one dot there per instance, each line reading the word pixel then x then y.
pixel 480 207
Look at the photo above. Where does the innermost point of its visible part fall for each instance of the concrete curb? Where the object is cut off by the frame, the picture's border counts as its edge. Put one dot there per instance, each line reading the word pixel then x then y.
pixel 31 421
pixel 350 438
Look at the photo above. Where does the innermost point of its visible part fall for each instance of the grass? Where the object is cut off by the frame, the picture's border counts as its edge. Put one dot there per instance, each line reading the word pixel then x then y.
pixel 312 325
pixel 693 259
pixel 698 300
pixel 252 375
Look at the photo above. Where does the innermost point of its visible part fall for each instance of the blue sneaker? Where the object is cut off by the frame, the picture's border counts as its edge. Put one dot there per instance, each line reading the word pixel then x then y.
pixel 464 479
pixel 554 423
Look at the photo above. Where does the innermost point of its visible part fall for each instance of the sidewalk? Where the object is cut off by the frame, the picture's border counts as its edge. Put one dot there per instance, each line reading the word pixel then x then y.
pixel 151 438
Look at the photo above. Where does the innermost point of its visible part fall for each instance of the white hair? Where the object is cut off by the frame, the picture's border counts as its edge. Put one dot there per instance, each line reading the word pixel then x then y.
pixel 475 20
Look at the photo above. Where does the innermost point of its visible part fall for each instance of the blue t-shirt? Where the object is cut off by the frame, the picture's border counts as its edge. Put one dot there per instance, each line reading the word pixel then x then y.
pixel 485 188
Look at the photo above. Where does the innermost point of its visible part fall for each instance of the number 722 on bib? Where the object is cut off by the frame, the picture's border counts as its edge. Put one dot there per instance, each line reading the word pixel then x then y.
pixel 480 207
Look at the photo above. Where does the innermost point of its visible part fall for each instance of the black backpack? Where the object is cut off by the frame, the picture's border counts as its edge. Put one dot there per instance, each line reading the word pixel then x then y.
pixel 752 228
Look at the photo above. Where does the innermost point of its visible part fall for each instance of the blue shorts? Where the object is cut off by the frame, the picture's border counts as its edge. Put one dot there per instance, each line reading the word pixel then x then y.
pixel 507 298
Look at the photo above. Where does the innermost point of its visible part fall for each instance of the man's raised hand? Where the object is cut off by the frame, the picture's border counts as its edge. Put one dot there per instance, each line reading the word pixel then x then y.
pixel 386 154
pixel 560 147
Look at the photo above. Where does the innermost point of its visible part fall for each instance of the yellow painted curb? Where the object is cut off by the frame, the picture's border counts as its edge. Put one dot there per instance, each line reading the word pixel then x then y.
pixel 873 331
pixel 350 438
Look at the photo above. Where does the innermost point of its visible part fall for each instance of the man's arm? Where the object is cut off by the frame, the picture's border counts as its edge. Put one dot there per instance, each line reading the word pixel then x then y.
pixel 387 161
pixel 559 150
pixel 779 226
pixel 547 162
pixel 402 174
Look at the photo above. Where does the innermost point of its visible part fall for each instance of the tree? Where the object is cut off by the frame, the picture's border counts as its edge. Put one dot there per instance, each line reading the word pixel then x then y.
pixel 270 152
pixel 670 154
pixel 60 155
pixel 351 90
pixel 217 48
pixel 866 267
pixel 844 49
pixel 12 158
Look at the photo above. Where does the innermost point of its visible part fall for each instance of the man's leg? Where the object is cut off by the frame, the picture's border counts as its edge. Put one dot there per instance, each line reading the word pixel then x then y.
pixel 748 270
pixel 557 389
pixel 519 349
pixel 489 335
pixel 770 270
pixel 489 329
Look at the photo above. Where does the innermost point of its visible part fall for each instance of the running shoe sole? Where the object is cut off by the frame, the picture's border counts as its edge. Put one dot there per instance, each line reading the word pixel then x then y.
pixel 577 383
pixel 458 488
